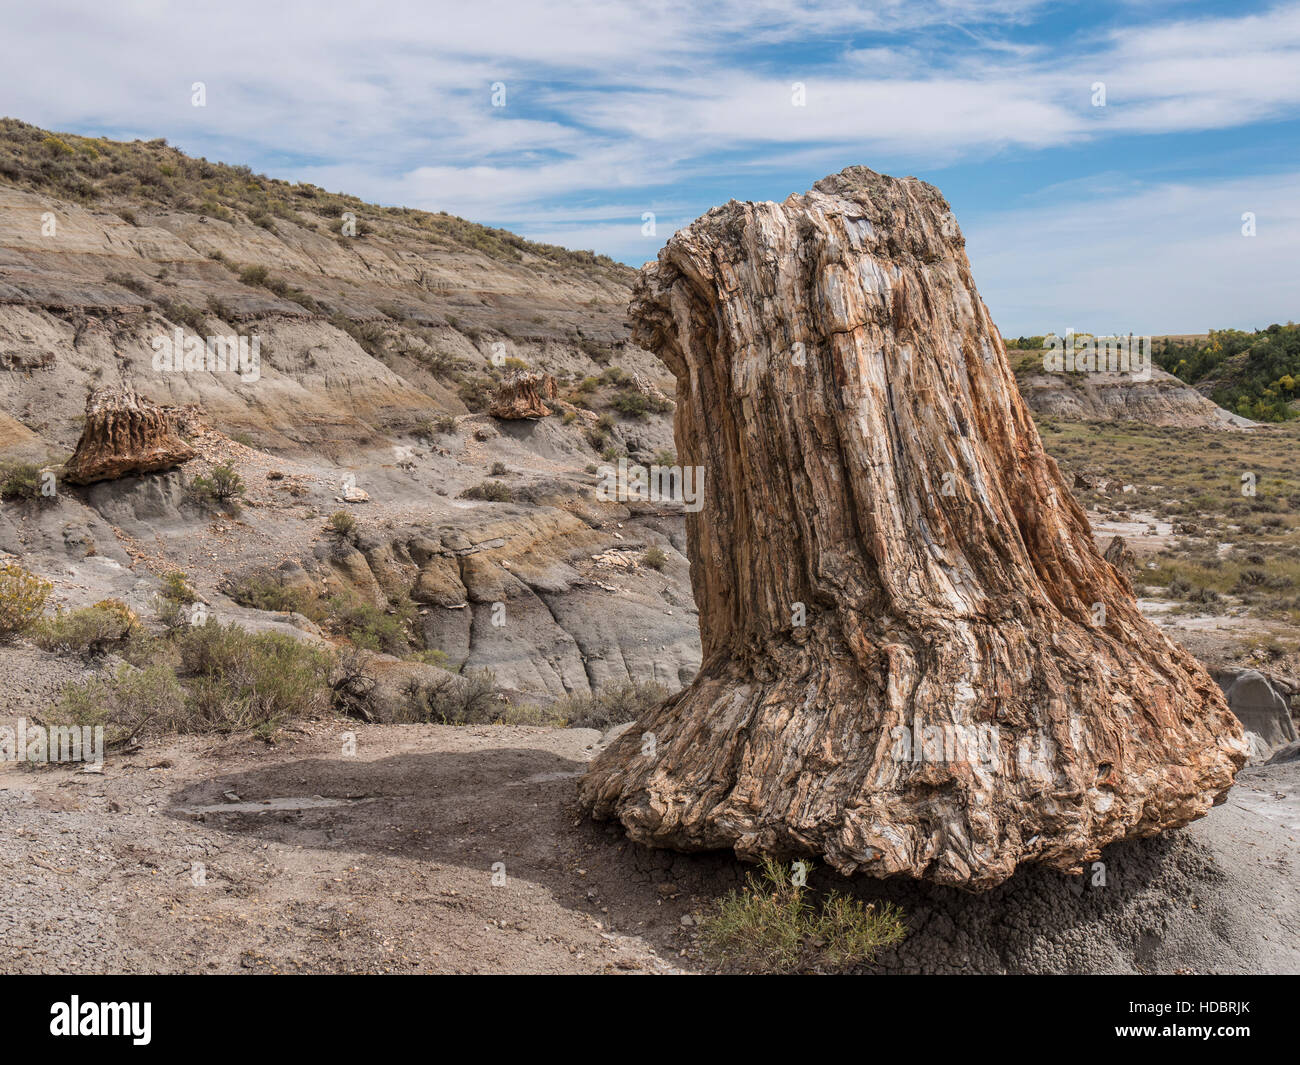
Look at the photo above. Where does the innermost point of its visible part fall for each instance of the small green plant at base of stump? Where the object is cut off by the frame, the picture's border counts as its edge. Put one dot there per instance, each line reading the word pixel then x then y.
pixel 773 925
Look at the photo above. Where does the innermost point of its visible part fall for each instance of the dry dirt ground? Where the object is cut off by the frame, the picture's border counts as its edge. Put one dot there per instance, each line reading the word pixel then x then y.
pixel 193 855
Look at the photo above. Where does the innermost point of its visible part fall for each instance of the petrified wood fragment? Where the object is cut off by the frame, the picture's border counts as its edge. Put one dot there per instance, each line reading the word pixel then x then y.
pixel 915 659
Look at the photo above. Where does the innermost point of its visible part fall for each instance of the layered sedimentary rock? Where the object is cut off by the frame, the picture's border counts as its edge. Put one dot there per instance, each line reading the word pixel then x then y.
pixel 915 659
pixel 1260 703
pixel 521 395
pixel 125 435
pixel 1158 399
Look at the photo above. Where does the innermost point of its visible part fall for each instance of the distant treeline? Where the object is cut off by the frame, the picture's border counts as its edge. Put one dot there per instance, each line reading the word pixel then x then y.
pixel 1256 375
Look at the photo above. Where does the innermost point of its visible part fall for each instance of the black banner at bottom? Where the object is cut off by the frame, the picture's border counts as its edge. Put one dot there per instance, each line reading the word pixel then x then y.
pixel 1068 1014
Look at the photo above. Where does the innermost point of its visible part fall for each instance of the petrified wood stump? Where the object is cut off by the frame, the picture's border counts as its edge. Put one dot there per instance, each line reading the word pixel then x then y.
pixel 521 395
pixel 125 435
pixel 915 659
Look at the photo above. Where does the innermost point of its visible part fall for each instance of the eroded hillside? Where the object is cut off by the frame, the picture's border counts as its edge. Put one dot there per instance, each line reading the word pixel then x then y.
pixel 382 334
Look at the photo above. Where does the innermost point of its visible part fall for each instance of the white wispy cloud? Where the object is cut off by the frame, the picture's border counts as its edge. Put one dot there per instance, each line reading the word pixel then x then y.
pixel 1166 259
pixel 618 107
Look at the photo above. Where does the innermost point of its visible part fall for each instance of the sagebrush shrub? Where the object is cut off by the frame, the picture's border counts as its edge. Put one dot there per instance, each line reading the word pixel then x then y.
pixel 470 699
pixel 22 600
pixel 92 629
pixel 612 705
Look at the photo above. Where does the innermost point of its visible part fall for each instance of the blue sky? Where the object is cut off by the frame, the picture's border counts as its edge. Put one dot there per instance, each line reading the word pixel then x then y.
pixel 1125 217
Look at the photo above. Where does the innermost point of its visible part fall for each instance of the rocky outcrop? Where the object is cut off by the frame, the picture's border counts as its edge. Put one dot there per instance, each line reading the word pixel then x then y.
pixel 1161 400
pixel 1260 703
pixel 125 436
pixel 915 659
pixel 362 339
pixel 521 395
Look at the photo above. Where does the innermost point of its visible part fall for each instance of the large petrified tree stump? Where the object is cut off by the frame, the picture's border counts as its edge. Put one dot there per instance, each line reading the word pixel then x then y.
pixel 972 686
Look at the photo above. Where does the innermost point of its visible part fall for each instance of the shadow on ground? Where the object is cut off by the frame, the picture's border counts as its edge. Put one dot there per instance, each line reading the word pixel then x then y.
pixel 517 806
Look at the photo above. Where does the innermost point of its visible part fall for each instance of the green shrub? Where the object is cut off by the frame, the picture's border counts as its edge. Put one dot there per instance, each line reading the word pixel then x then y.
pixel 20 480
pixel 772 925
pixel 268 593
pixel 342 524
pixel 92 629
pixel 176 588
pixel 432 429
pixel 208 678
pixel 226 482
pixel 492 491
pixel 223 486
pixel 498 469
pixel 612 705
pixel 460 700
pixel 654 557
pixel 22 600
pixel 532 714
pixel 176 595
pixel 431 657
pixel 184 314
pixel 633 404
pixel 475 392
pixel 238 680
pixel 126 704
pixel 369 627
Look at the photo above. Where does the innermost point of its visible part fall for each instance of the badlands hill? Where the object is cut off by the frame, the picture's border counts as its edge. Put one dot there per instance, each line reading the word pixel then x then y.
pixel 1160 399
pixel 107 245
pixel 383 334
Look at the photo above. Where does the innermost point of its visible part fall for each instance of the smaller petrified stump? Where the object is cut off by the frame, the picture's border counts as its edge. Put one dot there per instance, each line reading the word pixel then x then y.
pixel 124 436
pixel 521 394
pixel 1121 556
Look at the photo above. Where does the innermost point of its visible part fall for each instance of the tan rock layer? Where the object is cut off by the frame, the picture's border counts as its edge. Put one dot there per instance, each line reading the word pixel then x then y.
pixel 973 687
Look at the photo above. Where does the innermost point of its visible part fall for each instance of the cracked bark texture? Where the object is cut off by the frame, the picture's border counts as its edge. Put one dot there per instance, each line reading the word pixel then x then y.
pixel 867 455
